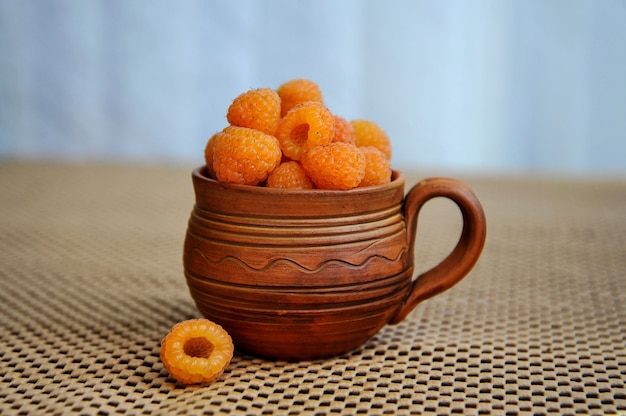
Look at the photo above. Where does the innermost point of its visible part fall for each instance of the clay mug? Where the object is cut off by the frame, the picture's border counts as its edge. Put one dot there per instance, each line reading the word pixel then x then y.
pixel 307 274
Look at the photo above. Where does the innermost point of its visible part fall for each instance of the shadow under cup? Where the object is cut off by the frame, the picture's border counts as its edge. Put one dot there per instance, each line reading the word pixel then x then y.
pixel 307 274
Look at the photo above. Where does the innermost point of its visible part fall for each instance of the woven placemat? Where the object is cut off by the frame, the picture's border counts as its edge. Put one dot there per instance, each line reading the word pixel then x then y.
pixel 91 275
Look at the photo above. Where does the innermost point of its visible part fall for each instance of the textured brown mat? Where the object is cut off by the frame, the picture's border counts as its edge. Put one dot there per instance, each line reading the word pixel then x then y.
pixel 91 280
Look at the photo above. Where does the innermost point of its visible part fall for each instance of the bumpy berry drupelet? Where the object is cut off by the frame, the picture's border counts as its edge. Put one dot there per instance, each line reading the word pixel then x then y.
pixel 289 175
pixel 369 133
pixel 244 156
pixel 377 167
pixel 344 132
pixel 298 91
pixel 256 109
pixel 335 166
pixel 196 351
pixel 305 126
pixel 291 124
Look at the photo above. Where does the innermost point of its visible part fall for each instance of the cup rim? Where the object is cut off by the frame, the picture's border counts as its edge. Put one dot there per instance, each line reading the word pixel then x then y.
pixel 397 179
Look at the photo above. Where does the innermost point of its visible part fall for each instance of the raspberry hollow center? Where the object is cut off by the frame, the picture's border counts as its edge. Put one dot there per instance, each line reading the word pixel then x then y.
pixel 198 347
pixel 300 134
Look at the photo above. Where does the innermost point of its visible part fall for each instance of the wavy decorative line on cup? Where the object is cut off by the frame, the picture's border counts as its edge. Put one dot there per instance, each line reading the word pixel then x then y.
pixel 291 265
pixel 274 262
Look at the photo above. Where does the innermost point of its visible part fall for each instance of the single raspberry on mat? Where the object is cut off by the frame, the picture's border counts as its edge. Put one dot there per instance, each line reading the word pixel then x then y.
pixel 369 133
pixel 335 166
pixel 196 351
pixel 208 156
pixel 305 126
pixel 244 156
pixel 344 132
pixel 377 167
pixel 256 109
pixel 289 175
pixel 298 91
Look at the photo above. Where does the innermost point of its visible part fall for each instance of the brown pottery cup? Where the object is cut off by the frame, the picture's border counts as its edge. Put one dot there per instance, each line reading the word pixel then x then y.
pixel 309 274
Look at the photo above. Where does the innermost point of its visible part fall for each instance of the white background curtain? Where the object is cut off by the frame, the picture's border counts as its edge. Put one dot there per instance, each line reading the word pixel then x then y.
pixel 488 85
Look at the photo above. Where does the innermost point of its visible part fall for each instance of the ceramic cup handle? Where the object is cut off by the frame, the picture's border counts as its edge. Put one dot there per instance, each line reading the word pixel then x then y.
pixel 466 252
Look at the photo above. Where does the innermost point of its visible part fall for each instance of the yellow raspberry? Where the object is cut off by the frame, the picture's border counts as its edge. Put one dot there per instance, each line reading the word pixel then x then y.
pixel 305 126
pixel 344 132
pixel 335 166
pixel 196 351
pixel 244 156
pixel 377 167
pixel 369 133
pixel 289 175
pixel 256 109
pixel 298 91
